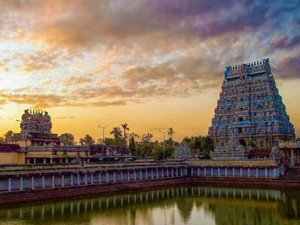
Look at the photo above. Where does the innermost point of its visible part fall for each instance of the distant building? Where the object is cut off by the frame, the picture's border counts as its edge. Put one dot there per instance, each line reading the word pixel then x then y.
pixel 250 109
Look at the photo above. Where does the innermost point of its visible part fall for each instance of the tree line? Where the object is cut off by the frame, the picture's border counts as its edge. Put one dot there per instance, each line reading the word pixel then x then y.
pixel 139 145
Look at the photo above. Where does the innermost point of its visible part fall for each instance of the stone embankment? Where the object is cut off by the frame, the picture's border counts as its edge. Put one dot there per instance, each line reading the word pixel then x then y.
pixel 19 185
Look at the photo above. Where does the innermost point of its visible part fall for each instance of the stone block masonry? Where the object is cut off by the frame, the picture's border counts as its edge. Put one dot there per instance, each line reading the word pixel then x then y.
pixel 47 184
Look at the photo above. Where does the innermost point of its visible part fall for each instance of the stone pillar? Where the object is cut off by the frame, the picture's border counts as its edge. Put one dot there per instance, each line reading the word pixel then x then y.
pixel 152 174
pixel 72 180
pixel 241 171
pixel 32 183
pixel 256 172
pixel 249 174
pixel 134 175
pixel 92 178
pixel 122 176
pixel 219 174
pixel 53 181
pixel 292 160
pixel 205 171
pixel 128 173
pixel 141 175
pixel 51 160
pixel 78 179
pixel 44 161
pixel 100 178
pixel 226 172
pixel 181 174
pixel 162 173
pixel 9 184
pixel 146 174
pixel 114 176
pixel 198 172
pixel 192 171
pixel 107 178
pixel 62 180
pixel 172 172
pixel 211 171
pixel 43 181
pixel 167 172
pixel 34 161
pixel 21 184
pixel 85 179
pixel 157 174
pixel 266 172
pixel 274 172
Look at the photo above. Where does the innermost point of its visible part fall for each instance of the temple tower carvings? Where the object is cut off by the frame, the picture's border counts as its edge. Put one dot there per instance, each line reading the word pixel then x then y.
pixel 250 108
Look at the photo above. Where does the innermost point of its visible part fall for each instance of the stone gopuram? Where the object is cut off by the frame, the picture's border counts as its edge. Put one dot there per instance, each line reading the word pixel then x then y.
pixel 36 128
pixel 250 109
pixel 183 152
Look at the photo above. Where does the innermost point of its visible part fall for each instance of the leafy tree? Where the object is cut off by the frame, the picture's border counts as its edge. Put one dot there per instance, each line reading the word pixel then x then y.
pixel 8 135
pixel 208 145
pixel 133 146
pixel 200 144
pixel 134 135
pixel 109 141
pixel 67 139
pixel 252 144
pixel 2 140
pixel 160 150
pixel 86 140
pixel 146 138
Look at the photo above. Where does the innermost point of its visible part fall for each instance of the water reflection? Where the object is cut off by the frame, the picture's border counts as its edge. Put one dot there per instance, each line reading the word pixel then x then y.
pixel 180 205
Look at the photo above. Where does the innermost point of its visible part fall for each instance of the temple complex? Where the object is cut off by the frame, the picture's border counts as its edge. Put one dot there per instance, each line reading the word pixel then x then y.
pixel 250 111
pixel 36 144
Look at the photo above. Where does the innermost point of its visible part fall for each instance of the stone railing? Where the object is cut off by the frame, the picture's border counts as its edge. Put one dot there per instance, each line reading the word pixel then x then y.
pixel 238 163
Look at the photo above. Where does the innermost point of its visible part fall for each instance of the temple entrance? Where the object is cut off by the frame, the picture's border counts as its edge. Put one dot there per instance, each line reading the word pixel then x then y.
pixel 243 142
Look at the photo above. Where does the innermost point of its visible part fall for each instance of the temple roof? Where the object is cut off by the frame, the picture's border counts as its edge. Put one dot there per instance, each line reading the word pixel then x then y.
pixel 256 67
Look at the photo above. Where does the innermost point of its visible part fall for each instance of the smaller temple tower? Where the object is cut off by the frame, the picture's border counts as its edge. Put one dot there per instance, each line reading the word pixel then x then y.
pixel 35 121
pixel 36 128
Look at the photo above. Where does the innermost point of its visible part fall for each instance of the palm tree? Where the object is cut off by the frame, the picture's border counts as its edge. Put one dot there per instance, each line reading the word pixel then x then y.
pixel 125 128
pixel 117 133
pixel 171 132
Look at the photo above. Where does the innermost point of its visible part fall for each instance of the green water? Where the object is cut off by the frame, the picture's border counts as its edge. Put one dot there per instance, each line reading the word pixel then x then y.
pixel 174 206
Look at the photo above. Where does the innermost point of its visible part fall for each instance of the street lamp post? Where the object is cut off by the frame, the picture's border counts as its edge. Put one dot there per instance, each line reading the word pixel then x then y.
pixel 164 132
pixel 103 130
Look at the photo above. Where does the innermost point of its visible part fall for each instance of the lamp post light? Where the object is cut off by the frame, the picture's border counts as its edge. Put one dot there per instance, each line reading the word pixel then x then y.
pixel 103 130
pixel 164 132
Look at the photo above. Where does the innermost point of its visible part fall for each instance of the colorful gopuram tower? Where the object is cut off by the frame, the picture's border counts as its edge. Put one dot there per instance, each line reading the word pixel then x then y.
pixel 250 108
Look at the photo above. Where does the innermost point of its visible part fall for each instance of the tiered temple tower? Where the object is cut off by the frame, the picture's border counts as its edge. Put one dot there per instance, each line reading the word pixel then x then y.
pixel 250 108
pixel 35 130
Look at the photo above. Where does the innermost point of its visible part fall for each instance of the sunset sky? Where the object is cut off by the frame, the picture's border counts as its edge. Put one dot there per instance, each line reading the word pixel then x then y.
pixel 151 63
